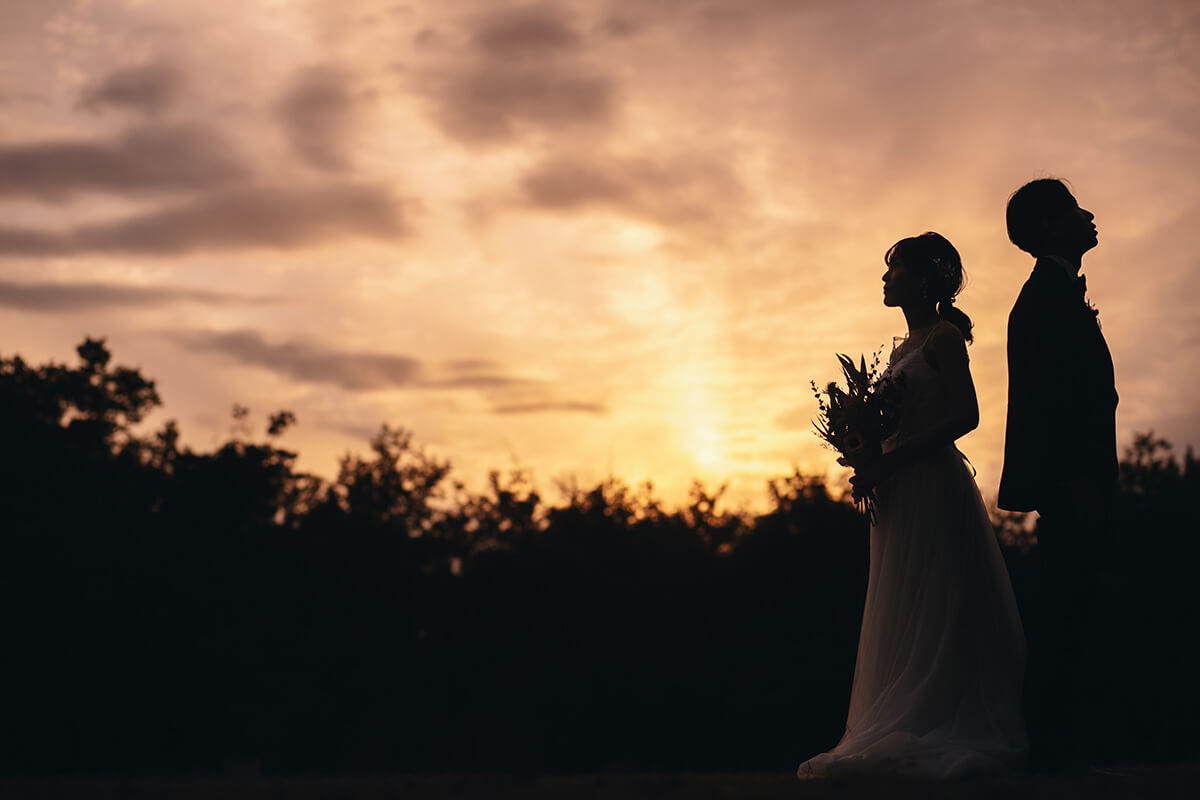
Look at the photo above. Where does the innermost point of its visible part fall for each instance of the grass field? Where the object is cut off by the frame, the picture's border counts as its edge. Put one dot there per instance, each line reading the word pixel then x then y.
pixel 1137 783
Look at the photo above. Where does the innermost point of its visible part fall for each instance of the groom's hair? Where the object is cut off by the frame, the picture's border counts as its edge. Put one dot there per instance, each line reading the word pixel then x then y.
pixel 1033 209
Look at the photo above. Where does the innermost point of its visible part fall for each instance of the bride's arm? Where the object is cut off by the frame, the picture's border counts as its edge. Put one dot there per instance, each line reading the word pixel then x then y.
pixel 946 352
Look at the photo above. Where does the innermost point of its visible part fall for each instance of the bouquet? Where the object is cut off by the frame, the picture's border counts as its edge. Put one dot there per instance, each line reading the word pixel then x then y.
pixel 854 421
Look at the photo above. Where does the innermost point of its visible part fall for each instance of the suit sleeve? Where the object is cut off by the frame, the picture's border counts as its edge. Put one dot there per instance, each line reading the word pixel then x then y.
pixel 1037 398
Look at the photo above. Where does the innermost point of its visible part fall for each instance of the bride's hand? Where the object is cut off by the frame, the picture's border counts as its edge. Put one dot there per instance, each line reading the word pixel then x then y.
pixel 870 475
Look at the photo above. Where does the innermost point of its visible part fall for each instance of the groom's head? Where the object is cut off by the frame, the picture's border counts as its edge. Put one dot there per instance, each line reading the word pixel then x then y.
pixel 1045 219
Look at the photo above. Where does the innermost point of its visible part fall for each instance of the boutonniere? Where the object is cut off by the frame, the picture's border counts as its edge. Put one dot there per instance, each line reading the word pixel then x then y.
pixel 1081 287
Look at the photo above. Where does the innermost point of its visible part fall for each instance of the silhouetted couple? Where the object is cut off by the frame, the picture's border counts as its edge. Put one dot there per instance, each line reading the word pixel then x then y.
pixel 939 676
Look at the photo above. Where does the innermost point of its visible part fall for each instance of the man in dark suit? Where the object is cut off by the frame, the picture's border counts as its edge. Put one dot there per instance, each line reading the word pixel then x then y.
pixel 1060 458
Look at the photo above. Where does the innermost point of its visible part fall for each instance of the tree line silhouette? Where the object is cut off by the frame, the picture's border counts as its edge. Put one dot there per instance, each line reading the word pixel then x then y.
pixel 172 610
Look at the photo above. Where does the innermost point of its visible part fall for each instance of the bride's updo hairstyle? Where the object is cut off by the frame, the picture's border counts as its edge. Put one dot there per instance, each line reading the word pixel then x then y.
pixel 934 260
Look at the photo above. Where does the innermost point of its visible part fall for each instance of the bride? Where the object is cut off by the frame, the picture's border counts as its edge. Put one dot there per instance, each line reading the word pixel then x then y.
pixel 937 680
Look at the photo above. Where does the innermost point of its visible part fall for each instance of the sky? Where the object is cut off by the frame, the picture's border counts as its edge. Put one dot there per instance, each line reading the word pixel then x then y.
pixel 585 239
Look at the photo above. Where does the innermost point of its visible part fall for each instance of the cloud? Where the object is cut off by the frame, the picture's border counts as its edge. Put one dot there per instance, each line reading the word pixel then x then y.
pixel 734 20
pixel 620 27
pixel 355 371
pixel 531 31
pixel 561 406
pixel 147 88
pixel 275 218
pixel 695 192
pixel 564 184
pixel 145 159
pixel 20 19
pixel 310 363
pixel 77 296
pixel 484 381
pixel 471 364
pixel 23 98
pixel 489 106
pixel 427 38
pixel 318 112
pixel 358 371
pixel 523 72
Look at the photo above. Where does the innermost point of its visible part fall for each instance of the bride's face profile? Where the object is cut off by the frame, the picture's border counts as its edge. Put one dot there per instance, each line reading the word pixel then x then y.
pixel 901 286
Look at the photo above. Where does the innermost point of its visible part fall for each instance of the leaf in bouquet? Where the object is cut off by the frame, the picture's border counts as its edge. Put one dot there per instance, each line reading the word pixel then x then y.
pixel 847 368
pixel 824 430
pixel 857 377
pixel 837 398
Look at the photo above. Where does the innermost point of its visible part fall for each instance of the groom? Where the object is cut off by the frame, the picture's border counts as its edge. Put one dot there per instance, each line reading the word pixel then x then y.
pixel 1060 456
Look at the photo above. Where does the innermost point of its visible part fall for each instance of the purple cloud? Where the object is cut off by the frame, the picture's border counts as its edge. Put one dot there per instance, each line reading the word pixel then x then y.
pixel 523 73
pixel 318 113
pixel 147 88
pixel 153 158
pixel 309 363
pixel 51 297
pixel 273 218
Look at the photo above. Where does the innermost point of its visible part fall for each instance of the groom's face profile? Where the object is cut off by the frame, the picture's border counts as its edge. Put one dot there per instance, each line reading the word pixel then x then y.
pixel 1074 231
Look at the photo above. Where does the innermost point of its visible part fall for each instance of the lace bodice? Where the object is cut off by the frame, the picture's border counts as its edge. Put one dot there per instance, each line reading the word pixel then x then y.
pixel 924 401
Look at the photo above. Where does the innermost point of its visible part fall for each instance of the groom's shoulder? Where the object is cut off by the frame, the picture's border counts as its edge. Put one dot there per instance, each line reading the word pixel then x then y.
pixel 1032 294
pixel 1032 307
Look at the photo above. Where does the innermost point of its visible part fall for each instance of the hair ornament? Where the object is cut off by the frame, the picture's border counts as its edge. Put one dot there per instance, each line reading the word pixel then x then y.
pixel 944 268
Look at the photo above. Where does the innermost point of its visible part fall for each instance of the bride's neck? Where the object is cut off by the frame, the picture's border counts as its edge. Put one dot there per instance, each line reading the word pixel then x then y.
pixel 919 317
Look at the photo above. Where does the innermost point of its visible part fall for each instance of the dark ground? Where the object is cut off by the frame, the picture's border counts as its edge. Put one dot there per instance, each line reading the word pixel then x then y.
pixel 1178 781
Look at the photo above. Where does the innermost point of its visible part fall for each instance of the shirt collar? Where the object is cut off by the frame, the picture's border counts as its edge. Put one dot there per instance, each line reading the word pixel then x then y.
pixel 1071 274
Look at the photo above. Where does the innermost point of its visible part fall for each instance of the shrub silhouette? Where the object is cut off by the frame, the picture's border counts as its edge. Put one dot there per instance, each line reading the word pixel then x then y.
pixel 172 610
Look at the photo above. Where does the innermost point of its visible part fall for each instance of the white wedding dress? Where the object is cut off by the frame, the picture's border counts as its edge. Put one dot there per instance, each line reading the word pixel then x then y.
pixel 941 655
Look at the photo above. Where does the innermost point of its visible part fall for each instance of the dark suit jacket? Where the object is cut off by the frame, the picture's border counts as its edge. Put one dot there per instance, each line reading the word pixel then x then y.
pixel 1062 396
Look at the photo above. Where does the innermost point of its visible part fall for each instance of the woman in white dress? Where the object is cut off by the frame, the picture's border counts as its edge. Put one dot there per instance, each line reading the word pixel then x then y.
pixel 941 654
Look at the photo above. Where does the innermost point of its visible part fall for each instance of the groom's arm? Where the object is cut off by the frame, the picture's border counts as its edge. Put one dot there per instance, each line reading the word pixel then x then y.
pixel 1036 405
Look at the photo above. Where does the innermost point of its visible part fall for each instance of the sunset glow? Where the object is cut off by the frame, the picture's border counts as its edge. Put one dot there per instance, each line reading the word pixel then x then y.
pixel 587 238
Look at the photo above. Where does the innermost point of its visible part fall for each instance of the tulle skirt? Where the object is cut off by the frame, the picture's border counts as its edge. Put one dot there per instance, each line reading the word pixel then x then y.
pixel 941 654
